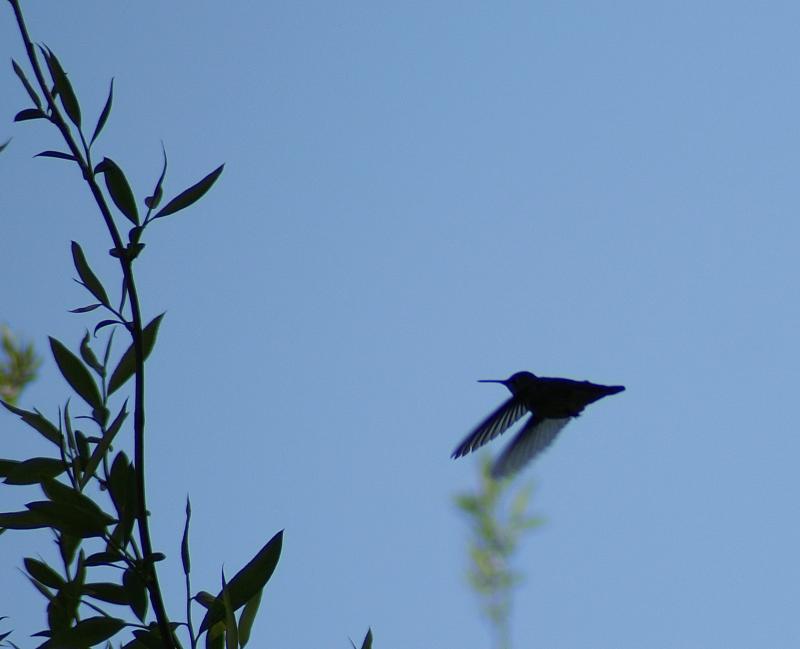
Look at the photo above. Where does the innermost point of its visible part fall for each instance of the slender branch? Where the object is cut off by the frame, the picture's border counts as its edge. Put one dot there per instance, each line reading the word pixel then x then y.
pixel 135 329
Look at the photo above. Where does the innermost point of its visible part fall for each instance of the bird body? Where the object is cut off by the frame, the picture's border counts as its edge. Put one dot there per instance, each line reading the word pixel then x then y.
pixel 552 402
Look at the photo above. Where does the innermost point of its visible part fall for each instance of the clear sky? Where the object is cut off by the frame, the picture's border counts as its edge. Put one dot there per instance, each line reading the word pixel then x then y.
pixel 418 195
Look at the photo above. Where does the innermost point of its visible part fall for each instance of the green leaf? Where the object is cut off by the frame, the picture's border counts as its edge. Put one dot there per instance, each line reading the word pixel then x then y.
pixel 119 189
pixel 248 581
pixel 68 496
pixel 185 559
pixel 247 618
pixel 127 364
pixel 191 195
pixel 28 114
pixel 25 520
pixel 103 558
pixel 367 644
pixel 107 592
pixel 35 470
pixel 231 629
pixel 101 122
pixel 64 88
pixel 88 355
pixel 102 448
pixel 76 374
pixel 88 278
pixel 69 519
pixel 215 638
pixel 36 421
pixel 43 573
pixel 136 593
pixel 28 87
pixel 154 199
pixel 86 633
pixel 55 154
pixel 68 545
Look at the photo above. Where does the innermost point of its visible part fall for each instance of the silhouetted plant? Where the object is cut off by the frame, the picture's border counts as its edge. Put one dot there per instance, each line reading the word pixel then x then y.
pixel 94 500
pixel 497 520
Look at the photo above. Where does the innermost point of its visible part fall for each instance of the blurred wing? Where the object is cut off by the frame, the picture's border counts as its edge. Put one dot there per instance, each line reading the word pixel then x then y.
pixel 534 437
pixel 496 423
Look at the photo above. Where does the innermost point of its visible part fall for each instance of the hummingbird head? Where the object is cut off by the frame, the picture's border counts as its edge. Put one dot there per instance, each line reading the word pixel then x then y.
pixel 513 382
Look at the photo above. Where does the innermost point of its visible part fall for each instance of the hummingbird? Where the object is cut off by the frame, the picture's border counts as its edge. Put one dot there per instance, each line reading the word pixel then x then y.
pixel 551 402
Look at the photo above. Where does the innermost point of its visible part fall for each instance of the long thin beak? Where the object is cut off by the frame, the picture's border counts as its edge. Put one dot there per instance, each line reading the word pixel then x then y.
pixel 491 381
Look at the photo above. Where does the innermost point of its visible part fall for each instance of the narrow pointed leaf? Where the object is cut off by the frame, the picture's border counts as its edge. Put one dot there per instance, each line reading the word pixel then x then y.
pixel 107 592
pixel 87 633
pixel 105 323
pixel 55 154
pixel 101 122
pixel 87 275
pixel 43 573
pixel 127 364
pixel 231 628
pixel 24 520
pixel 64 89
pixel 191 195
pixel 119 189
pixel 86 309
pixel 185 558
pixel 154 199
pixel 28 87
pixel 36 421
pixel 5 144
pixel 68 496
pixel 87 354
pixel 28 114
pixel 71 520
pixel 248 581
pixel 76 374
pixel 136 592
pixel 102 448
pixel 367 644
pixel 35 470
pixel 103 559
pixel 247 618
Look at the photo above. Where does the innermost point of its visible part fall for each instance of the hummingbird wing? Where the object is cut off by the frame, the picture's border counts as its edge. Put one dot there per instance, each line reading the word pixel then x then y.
pixel 498 422
pixel 535 436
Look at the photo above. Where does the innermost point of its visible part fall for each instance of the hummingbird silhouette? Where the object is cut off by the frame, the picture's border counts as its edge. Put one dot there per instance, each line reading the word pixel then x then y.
pixel 551 402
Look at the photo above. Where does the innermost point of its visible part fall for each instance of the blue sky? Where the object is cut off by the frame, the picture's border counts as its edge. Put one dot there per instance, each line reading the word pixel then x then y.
pixel 416 196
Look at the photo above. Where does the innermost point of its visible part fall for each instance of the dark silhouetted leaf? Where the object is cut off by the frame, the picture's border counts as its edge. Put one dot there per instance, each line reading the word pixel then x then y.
pixel 25 520
pixel 87 354
pixel 64 88
pixel 105 323
pixel 367 644
pixel 154 199
pixel 248 581
pixel 35 470
pixel 136 593
pixel 101 122
pixel 43 573
pixel 28 87
pixel 86 633
pixel 119 189
pixel 103 559
pixel 29 113
pixel 68 545
pixel 107 592
pixel 102 447
pixel 76 374
pixel 71 497
pixel 71 520
pixel 5 144
pixel 55 154
pixel 127 364
pixel 86 309
pixel 36 421
pixel 88 278
pixel 231 629
pixel 247 618
pixel 185 559
pixel 191 195
pixel 6 466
